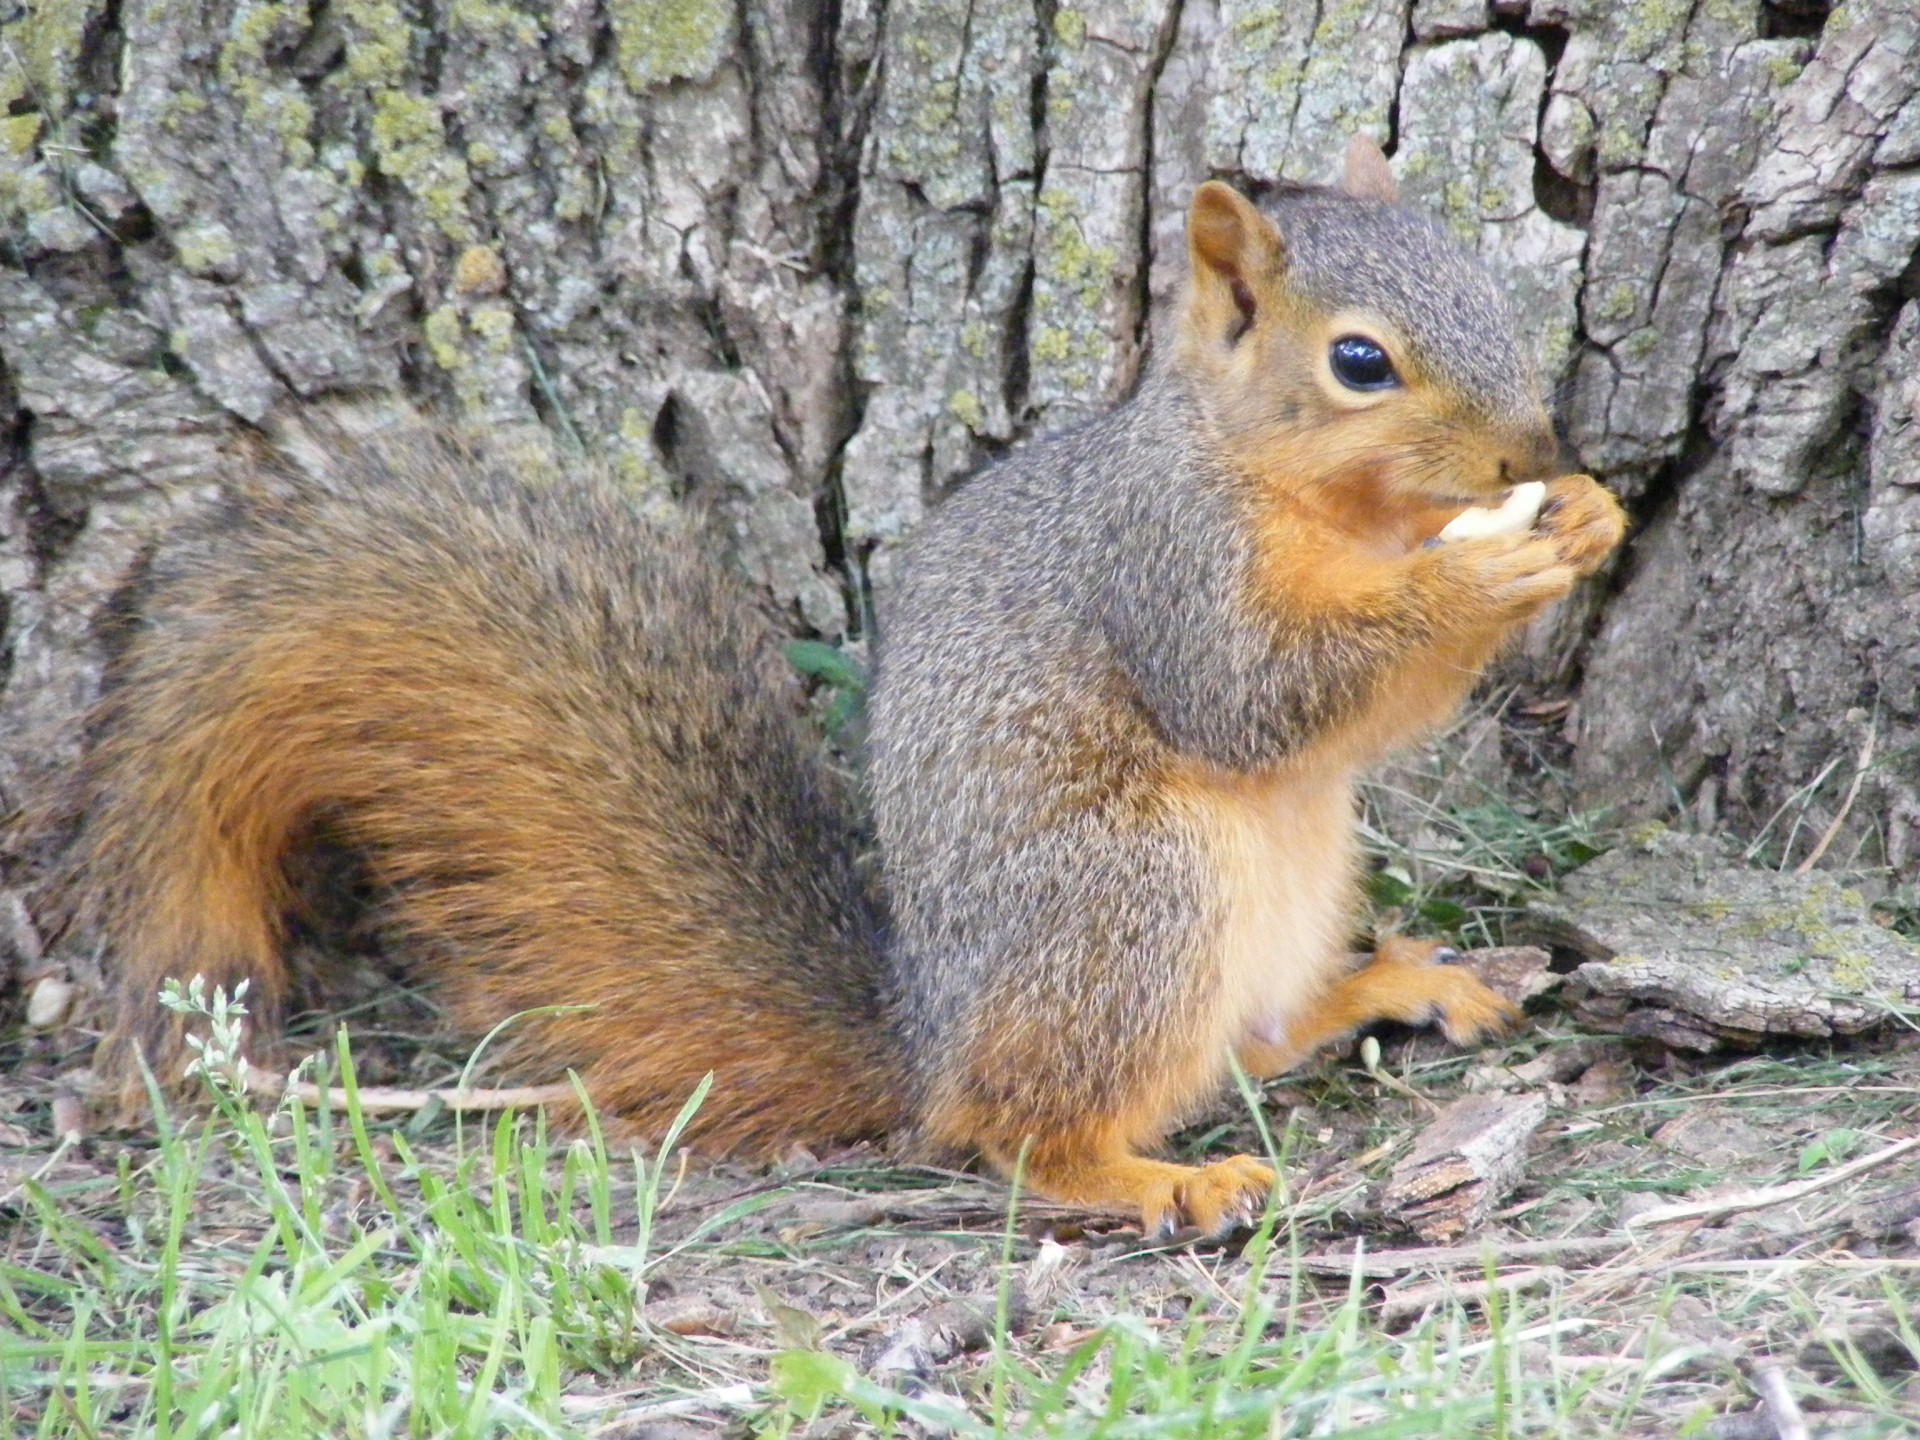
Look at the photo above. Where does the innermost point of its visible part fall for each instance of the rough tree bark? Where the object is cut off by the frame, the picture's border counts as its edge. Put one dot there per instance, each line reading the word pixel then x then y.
pixel 810 263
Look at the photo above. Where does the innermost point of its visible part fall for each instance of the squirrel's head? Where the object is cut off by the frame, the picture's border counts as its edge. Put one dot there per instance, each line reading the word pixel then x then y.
pixel 1336 338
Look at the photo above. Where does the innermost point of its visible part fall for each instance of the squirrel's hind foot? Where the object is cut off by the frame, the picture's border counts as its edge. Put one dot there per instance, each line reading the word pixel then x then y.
pixel 1217 1199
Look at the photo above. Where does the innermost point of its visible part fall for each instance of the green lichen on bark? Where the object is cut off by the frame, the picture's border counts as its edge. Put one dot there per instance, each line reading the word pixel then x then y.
pixel 1339 24
pixel 18 136
pixel 1073 281
pixel 966 408
pixel 1065 258
pixel 38 53
pixel 1617 304
pixel 446 338
pixel 1653 29
pixel 269 103
pixel 379 43
pixel 1785 69
pixel 1259 31
pixel 267 100
pixel 475 344
pixel 931 138
pixel 410 144
pixel 664 40
pixel 408 133
pixel 496 21
pixel 207 250
pixel 632 462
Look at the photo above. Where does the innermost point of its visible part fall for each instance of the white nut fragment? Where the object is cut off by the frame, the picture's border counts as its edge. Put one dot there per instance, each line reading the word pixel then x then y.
pixel 49 1002
pixel 1515 513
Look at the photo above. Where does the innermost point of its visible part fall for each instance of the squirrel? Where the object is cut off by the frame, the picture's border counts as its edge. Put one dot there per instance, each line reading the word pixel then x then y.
pixel 1123 690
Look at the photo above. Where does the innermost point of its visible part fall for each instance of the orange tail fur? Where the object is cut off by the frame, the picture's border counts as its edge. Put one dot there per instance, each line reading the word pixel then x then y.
pixel 554 736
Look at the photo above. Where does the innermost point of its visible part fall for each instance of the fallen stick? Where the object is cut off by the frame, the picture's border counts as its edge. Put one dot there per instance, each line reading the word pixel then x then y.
pixel 721 1397
pixel 1773 1194
pixel 1789 1422
pixel 386 1100
pixel 1787 1264
pixel 1384 1264
pixel 1412 1303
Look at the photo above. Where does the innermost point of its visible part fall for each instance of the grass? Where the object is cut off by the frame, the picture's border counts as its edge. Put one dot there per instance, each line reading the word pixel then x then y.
pixel 306 1273
pixel 296 1272
pixel 1454 849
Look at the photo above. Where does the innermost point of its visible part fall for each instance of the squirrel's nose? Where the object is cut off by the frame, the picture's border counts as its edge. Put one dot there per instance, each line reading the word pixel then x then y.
pixel 1533 456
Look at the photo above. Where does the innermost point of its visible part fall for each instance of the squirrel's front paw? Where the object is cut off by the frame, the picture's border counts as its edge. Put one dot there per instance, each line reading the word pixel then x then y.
pixel 1511 576
pixel 1583 520
pixel 1422 985
pixel 1467 1010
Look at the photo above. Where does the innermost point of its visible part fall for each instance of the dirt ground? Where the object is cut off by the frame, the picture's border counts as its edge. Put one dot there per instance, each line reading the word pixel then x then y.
pixel 897 1269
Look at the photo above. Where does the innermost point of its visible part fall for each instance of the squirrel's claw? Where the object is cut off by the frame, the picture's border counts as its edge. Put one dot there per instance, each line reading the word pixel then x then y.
pixel 1214 1199
pixel 1583 520
pixel 1471 1012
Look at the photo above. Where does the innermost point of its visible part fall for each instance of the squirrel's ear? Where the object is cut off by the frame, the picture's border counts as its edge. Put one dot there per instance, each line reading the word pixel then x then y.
pixel 1368 177
pixel 1235 251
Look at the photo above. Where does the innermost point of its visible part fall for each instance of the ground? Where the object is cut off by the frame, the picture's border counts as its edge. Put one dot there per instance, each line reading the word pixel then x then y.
pixel 294 1272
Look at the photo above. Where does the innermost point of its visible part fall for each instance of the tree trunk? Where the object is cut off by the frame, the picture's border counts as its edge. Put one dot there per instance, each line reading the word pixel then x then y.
pixel 810 264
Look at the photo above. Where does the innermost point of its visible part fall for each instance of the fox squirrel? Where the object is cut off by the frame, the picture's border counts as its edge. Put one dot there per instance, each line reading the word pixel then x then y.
pixel 1125 685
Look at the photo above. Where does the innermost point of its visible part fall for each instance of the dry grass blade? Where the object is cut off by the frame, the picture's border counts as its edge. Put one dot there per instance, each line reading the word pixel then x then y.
pixel 1401 1306
pixel 1860 769
pixel 721 1397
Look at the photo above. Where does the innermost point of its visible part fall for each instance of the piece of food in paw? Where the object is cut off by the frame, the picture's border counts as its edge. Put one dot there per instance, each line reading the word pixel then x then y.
pixel 1512 515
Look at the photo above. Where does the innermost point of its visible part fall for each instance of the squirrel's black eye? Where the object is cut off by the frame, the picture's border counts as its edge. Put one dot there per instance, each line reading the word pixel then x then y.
pixel 1359 364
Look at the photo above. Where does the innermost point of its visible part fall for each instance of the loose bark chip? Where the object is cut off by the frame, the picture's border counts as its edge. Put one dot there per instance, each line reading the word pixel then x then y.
pixel 1463 1164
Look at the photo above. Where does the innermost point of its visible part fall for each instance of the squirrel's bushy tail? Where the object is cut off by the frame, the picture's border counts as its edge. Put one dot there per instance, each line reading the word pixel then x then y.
pixel 552 733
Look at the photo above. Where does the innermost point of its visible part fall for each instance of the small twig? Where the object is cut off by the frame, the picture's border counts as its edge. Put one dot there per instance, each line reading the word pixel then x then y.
pixel 1853 793
pixel 1382 1264
pixel 1774 1194
pixel 1411 1303
pixel 1548 1331
pixel 1370 1057
pixel 1787 1264
pixel 721 1397
pixel 380 1099
pixel 1789 1422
